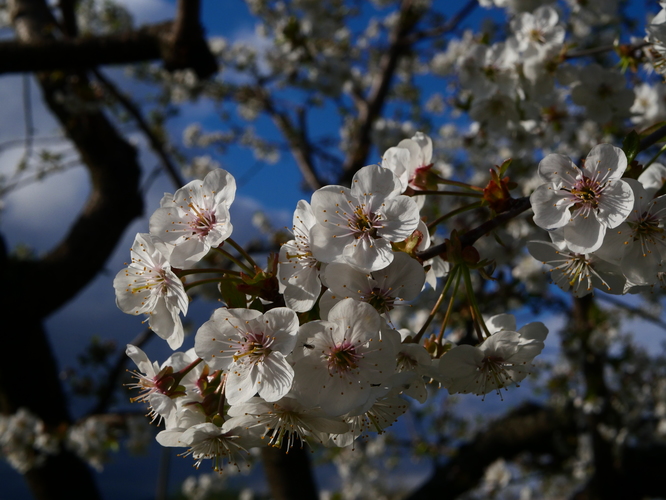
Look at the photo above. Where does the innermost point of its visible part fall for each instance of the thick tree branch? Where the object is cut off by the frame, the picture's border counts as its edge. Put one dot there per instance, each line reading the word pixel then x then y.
pixel 40 287
pixel 186 45
pixel 180 44
pixel 370 108
pixel 528 428
pixel 144 44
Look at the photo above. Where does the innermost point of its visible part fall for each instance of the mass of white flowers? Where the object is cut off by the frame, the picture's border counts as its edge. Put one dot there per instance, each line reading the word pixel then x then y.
pixel 306 350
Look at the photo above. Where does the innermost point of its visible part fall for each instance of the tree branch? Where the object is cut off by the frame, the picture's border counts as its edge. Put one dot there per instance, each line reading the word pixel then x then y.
pixel 369 109
pixel 518 207
pixel 155 142
pixel 298 143
pixel 528 428
pixel 180 44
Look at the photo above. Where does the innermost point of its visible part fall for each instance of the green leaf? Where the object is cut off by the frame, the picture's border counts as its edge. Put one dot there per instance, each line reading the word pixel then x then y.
pixel 231 295
pixel 630 145
pixel 504 166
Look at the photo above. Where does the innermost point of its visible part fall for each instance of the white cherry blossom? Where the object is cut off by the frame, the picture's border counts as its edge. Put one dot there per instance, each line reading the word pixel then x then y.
pixel 538 30
pixel 652 178
pixel 338 361
pixel 408 158
pixel 357 225
pixel 195 218
pixel 603 94
pixel 155 381
pixel 584 201
pixel 208 441
pixel 501 360
pixel 580 273
pixel 285 421
pixel 639 244
pixel 252 348
pixel 149 286
pixel 298 270
pixel 402 280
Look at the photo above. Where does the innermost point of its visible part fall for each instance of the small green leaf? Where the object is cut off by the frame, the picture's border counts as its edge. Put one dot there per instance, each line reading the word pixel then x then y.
pixel 504 166
pixel 630 145
pixel 231 295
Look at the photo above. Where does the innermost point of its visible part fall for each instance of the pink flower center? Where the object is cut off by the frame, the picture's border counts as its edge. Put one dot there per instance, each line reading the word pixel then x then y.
pixel 343 358
pixel 254 347
pixel 203 221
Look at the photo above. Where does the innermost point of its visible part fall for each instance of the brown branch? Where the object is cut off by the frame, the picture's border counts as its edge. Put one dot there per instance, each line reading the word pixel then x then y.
pixel 180 44
pixel 401 40
pixel 289 474
pixel 371 107
pixel 297 140
pixel 528 428
pixel 187 47
pixel 144 44
pixel 445 28
pixel 518 207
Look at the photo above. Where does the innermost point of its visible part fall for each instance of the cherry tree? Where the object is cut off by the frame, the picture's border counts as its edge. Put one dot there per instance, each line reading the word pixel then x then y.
pixel 445 161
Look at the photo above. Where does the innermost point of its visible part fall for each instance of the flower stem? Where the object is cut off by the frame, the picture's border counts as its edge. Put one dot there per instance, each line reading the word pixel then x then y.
pixel 655 157
pixel 476 312
pixel 188 368
pixel 452 193
pixel 463 185
pixel 189 286
pixel 242 251
pixel 448 311
pixel 449 280
pixel 236 261
pixel 457 211
pixel 202 270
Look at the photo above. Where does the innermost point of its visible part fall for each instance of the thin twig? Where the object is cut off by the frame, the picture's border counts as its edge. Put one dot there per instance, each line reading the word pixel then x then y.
pixel 451 25
pixel 633 310
pixel 113 376
pixel 27 115
pixel 155 142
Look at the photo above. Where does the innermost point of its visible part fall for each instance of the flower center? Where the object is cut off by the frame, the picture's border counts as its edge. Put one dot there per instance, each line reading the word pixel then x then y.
pixel 536 35
pixel 364 223
pixel 647 226
pixel 587 191
pixel 495 370
pixel 203 221
pixel 254 348
pixel 343 358
pixel 406 363
pixel 380 300
pixel 151 278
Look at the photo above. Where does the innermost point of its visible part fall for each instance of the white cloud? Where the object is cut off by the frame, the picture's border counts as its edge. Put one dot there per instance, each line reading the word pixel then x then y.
pixel 149 11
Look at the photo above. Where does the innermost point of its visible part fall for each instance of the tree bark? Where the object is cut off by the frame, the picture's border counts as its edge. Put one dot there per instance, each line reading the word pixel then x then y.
pixel 29 373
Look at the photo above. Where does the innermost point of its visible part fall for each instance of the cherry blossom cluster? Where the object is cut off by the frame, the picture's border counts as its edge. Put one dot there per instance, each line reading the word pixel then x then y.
pixel 307 351
pixel 26 442
pixel 606 232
